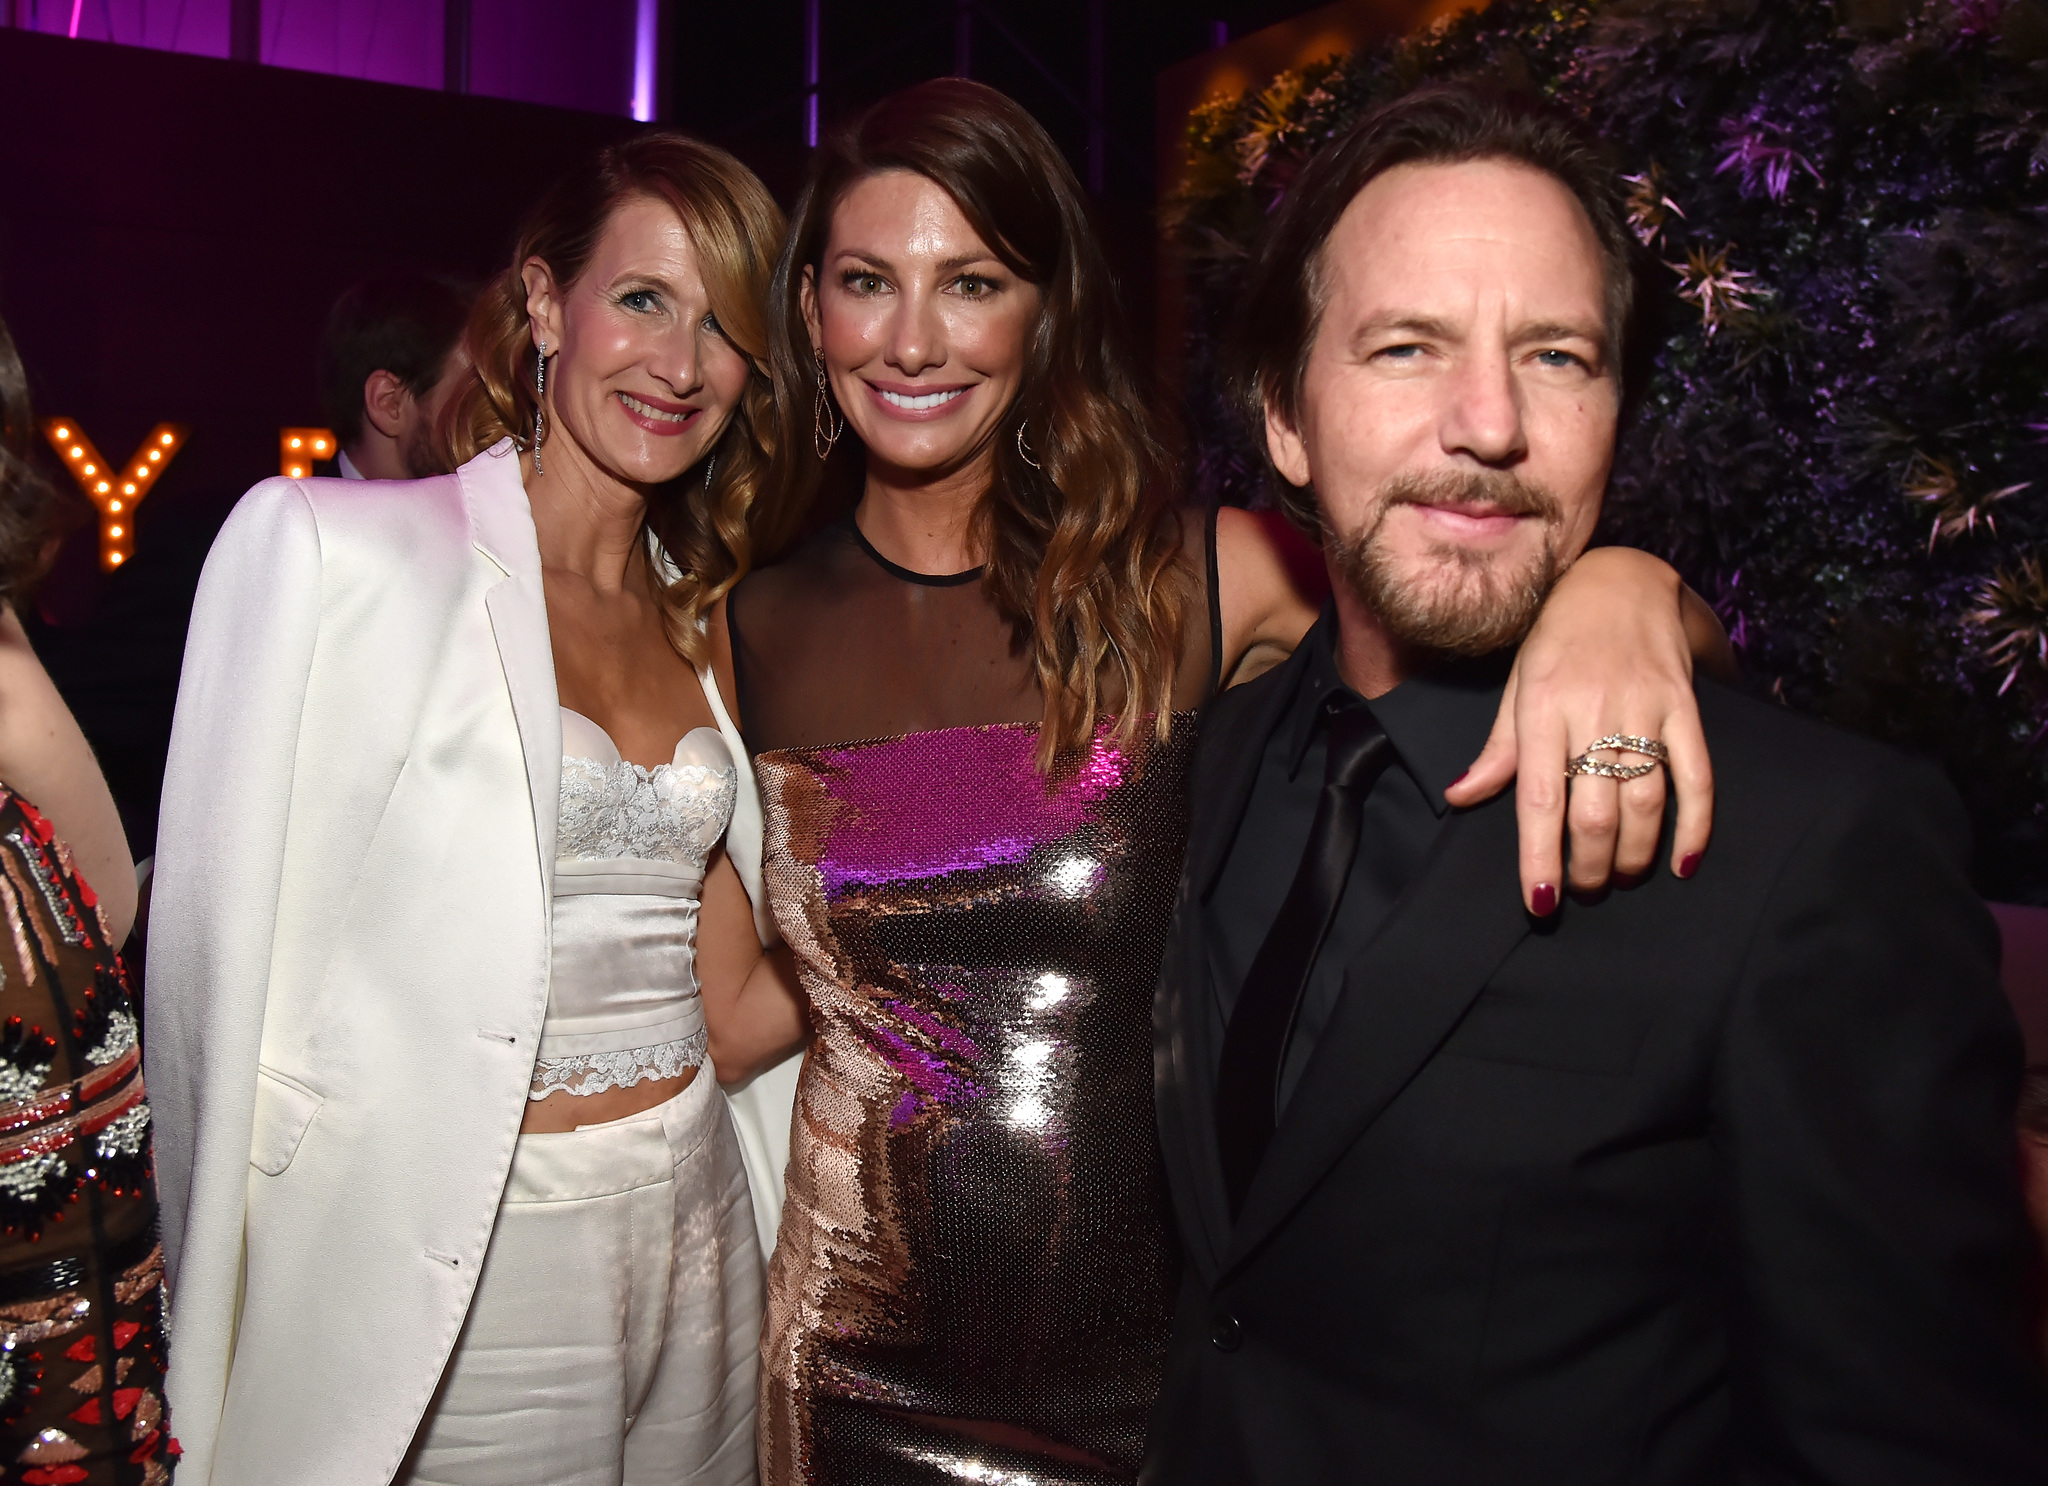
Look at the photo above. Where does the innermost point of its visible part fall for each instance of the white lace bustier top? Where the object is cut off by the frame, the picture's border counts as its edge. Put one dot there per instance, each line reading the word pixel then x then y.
pixel 631 845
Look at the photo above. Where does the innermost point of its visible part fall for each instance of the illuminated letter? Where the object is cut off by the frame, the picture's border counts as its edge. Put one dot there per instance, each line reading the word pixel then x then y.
pixel 297 448
pixel 116 491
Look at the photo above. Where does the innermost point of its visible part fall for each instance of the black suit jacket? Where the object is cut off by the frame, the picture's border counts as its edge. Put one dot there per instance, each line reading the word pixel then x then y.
pixel 1713 1181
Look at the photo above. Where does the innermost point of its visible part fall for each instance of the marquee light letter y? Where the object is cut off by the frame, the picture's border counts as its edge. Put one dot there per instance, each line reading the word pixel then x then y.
pixel 116 492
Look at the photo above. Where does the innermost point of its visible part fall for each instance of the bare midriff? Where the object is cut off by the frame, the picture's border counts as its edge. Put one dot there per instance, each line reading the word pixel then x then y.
pixel 563 1110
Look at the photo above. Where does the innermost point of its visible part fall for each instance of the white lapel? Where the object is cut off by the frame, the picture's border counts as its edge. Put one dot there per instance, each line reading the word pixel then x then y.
pixel 501 525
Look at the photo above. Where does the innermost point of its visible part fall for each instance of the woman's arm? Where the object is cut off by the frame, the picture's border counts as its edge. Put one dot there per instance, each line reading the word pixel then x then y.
pixel 1270 585
pixel 228 788
pixel 1613 651
pixel 753 1009
pixel 45 759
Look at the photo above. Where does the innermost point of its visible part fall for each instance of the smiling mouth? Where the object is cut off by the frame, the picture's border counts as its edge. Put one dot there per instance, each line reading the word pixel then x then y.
pixel 660 415
pixel 923 402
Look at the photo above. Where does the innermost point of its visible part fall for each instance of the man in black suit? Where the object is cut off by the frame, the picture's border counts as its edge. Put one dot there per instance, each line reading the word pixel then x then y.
pixel 1711 1182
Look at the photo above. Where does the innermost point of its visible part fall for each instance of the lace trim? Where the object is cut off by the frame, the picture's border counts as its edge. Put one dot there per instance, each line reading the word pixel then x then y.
pixel 671 813
pixel 593 1073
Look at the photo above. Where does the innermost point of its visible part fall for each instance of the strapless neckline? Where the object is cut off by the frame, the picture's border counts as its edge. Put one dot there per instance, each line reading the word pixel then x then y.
pixel 613 808
pixel 609 755
pixel 1106 723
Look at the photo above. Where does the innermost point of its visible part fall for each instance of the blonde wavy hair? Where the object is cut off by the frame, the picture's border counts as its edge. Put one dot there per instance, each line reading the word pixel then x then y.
pixel 1082 540
pixel 710 535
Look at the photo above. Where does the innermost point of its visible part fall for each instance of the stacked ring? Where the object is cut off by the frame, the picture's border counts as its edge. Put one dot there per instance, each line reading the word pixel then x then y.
pixel 1649 748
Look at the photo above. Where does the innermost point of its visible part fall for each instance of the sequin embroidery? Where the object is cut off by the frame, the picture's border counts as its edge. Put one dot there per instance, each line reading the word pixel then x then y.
pixel 974 1272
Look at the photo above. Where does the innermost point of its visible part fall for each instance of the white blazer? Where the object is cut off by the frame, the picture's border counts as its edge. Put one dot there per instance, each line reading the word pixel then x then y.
pixel 348 963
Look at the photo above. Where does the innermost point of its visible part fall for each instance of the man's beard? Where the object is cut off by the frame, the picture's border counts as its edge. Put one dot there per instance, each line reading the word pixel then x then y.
pixel 1464 602
pixel 420 452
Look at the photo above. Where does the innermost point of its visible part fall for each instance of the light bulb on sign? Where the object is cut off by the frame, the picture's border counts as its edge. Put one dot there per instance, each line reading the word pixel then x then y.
pixel 294 444
pixel 117 536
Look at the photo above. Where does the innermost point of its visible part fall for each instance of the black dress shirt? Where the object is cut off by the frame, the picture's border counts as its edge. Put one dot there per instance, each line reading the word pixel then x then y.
pixel 1437 722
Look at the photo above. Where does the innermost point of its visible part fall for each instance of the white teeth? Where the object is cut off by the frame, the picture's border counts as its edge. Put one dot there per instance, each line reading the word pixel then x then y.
pixel 919 404
pixel 646 412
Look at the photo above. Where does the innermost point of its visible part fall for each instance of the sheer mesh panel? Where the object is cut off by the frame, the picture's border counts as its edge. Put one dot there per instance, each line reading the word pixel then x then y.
pixel 835 644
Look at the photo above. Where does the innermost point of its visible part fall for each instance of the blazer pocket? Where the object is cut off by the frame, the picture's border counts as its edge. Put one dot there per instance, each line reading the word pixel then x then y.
pixel 284 1108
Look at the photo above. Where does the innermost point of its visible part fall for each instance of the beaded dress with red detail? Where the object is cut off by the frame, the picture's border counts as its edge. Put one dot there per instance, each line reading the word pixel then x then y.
pixel 974 1276
pixel 82 1343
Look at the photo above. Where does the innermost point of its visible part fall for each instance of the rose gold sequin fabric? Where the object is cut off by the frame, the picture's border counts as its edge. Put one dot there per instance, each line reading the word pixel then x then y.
pixel 974 1276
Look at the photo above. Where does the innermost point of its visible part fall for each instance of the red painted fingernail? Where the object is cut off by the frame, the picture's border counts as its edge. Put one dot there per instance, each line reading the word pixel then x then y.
pixel 1461 779
pixel 1544 899
pixel 1688 864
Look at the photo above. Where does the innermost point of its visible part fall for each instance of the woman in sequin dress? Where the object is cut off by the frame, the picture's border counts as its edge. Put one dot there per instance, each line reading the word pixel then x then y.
pixel 81 1271
pixel 971 703
pixel 450 1197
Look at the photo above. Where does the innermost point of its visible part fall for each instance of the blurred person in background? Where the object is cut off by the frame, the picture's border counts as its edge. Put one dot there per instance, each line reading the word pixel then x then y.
pixel 446 884
pixel 389 362
pixel 81 1271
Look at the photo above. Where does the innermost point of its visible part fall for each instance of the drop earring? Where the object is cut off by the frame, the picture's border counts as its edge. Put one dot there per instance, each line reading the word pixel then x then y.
pixel 540 401
pixel 823 416
pixel 708 469
pixel 1024 453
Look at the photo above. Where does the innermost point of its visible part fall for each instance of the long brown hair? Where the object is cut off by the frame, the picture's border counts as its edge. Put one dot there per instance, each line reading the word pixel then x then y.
pixel 33 511
pixel 1082 552
pixel 709 535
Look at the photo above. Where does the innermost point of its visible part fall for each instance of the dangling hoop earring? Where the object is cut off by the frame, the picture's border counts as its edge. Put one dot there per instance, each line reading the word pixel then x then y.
pixel 823 416
pixel 1024 453
pixel 540 401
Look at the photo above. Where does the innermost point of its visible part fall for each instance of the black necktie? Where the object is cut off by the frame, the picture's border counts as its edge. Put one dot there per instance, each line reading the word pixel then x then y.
pixel 1248 1079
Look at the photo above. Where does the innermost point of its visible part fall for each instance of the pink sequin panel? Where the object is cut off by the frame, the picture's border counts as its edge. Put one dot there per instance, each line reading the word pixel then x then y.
pixel 1005 809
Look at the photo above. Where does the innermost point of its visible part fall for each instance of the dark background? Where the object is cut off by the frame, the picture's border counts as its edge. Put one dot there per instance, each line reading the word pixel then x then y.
pixel 175 228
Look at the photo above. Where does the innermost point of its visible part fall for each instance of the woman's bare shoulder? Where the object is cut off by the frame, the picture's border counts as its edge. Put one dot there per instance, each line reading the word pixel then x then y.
pixel 45 758
pixel 1271 583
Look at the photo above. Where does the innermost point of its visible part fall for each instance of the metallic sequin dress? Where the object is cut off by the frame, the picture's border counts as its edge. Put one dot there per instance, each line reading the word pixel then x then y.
pixel 974 1275
pixel 81 1271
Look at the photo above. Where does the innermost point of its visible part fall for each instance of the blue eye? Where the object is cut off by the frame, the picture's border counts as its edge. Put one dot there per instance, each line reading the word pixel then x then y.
pixel 643 300
pixel 1558 358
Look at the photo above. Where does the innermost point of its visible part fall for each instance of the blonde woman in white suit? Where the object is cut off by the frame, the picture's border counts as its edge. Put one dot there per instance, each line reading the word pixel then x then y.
pixel 445 1197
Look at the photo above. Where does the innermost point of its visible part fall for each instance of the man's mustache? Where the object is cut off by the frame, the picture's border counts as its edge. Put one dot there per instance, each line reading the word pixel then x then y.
pixel 1506 493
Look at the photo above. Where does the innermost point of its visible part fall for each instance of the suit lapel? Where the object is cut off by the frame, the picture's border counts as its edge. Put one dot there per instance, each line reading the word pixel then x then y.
pixel 501 525
pixel 1461 916
pixel 1235 731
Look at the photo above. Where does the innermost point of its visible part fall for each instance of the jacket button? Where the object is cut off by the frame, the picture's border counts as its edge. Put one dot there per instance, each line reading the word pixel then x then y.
pixel 1225 1332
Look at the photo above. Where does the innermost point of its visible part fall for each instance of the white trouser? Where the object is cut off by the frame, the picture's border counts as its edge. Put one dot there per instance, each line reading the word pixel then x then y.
pixel 614 1338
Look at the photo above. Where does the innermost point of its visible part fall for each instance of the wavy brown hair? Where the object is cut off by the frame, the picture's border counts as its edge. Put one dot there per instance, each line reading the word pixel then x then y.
pixel 1082 555
pixel 710 536
pixel 33 511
